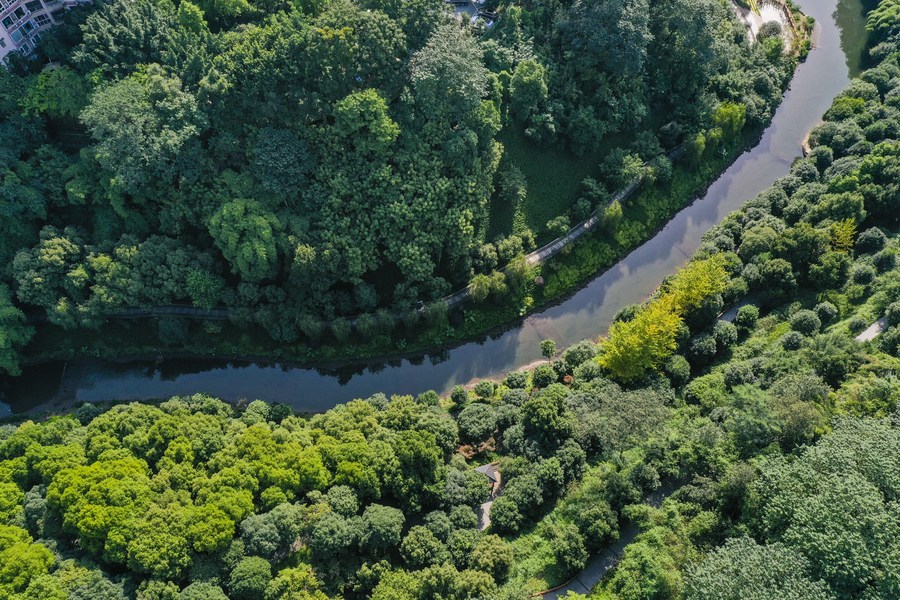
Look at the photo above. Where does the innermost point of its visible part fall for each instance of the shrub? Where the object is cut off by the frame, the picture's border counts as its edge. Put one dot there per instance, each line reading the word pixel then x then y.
pixel 484 388
pixel 516 380
pixel 892 313
pixel 703 348
pixel 826 311
pixel 792 340
pixel 707 391
pixel 806 322
pixel 543 376
pixel 477 423
pixel 340 329
pixel 173 330
pixel 739 373
pixel 367 325
pixel 884 261
pixel 870 241
pixel 862 274
pixel 678 370
pixel 746 317
pixel 459 396
pixel 725 333
pixel 856 325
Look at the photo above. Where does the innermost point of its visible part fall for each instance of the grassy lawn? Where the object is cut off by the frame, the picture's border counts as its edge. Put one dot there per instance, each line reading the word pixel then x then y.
pixel 554 182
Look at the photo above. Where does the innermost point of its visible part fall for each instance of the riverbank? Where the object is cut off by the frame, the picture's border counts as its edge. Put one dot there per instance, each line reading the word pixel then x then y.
pixel 585 313
pixel 387 337
pixel 564 275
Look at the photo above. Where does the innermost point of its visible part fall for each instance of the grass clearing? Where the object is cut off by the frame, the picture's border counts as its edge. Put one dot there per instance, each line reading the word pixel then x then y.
pixel 554 184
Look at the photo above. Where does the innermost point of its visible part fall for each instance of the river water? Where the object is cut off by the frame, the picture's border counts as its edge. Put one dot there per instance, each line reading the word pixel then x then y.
pixel 838 53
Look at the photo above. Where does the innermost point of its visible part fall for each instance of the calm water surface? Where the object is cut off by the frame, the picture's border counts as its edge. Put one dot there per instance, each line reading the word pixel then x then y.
pixel 839 53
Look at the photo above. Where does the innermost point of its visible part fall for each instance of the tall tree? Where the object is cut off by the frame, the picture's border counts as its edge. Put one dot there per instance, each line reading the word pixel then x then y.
pixel 147 130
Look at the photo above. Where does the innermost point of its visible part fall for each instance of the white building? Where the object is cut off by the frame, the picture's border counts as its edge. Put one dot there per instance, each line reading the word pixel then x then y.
pixel 22 21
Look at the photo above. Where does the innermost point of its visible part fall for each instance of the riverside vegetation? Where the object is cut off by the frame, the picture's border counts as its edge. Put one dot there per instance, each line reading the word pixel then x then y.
pixel 779 432
pixel 301 164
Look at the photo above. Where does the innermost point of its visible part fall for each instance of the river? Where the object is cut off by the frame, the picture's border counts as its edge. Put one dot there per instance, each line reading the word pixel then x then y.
pixel 838 53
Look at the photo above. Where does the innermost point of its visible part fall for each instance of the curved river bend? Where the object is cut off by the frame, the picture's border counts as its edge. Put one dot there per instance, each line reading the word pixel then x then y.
pixel 588 313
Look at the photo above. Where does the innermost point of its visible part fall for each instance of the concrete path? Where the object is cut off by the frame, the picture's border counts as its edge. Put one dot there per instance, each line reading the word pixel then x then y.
pixel 597 566
pixel 600 564
pixel 873 331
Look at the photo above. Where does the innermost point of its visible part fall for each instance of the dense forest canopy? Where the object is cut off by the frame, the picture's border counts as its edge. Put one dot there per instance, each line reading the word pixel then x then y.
pixel 773 431
pixel 306 161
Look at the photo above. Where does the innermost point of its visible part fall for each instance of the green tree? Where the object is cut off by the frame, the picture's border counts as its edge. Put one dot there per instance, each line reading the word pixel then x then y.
pixel 14 333
pixel 883 19
pixel 250 578
pixel 247 235
pixel 477 423
pixel 830 505
pixel 611 37
pixel 528 89
pixel 282 161
pixel 634 347
pixel 420 548
pixel 548 348
pixel 448 74
pixel 60 93
pixel 740 565
pixel 546 418
pixel 21 560
pixel 146 127
pixel 730 117
pixel 296 583
pixel 122 35
pixel 382 528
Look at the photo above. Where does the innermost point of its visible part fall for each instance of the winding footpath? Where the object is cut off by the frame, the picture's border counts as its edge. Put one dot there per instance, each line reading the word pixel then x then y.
pixel 602 562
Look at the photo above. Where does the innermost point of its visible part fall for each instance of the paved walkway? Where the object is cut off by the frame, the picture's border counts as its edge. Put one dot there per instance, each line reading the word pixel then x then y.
pixel 601 563
pixel 873 331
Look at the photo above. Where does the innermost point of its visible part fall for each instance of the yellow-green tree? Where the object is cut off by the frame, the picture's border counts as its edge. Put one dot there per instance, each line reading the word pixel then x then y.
pixel 696 282
pixel 843 235
pixel 645 342
pixel 635 346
